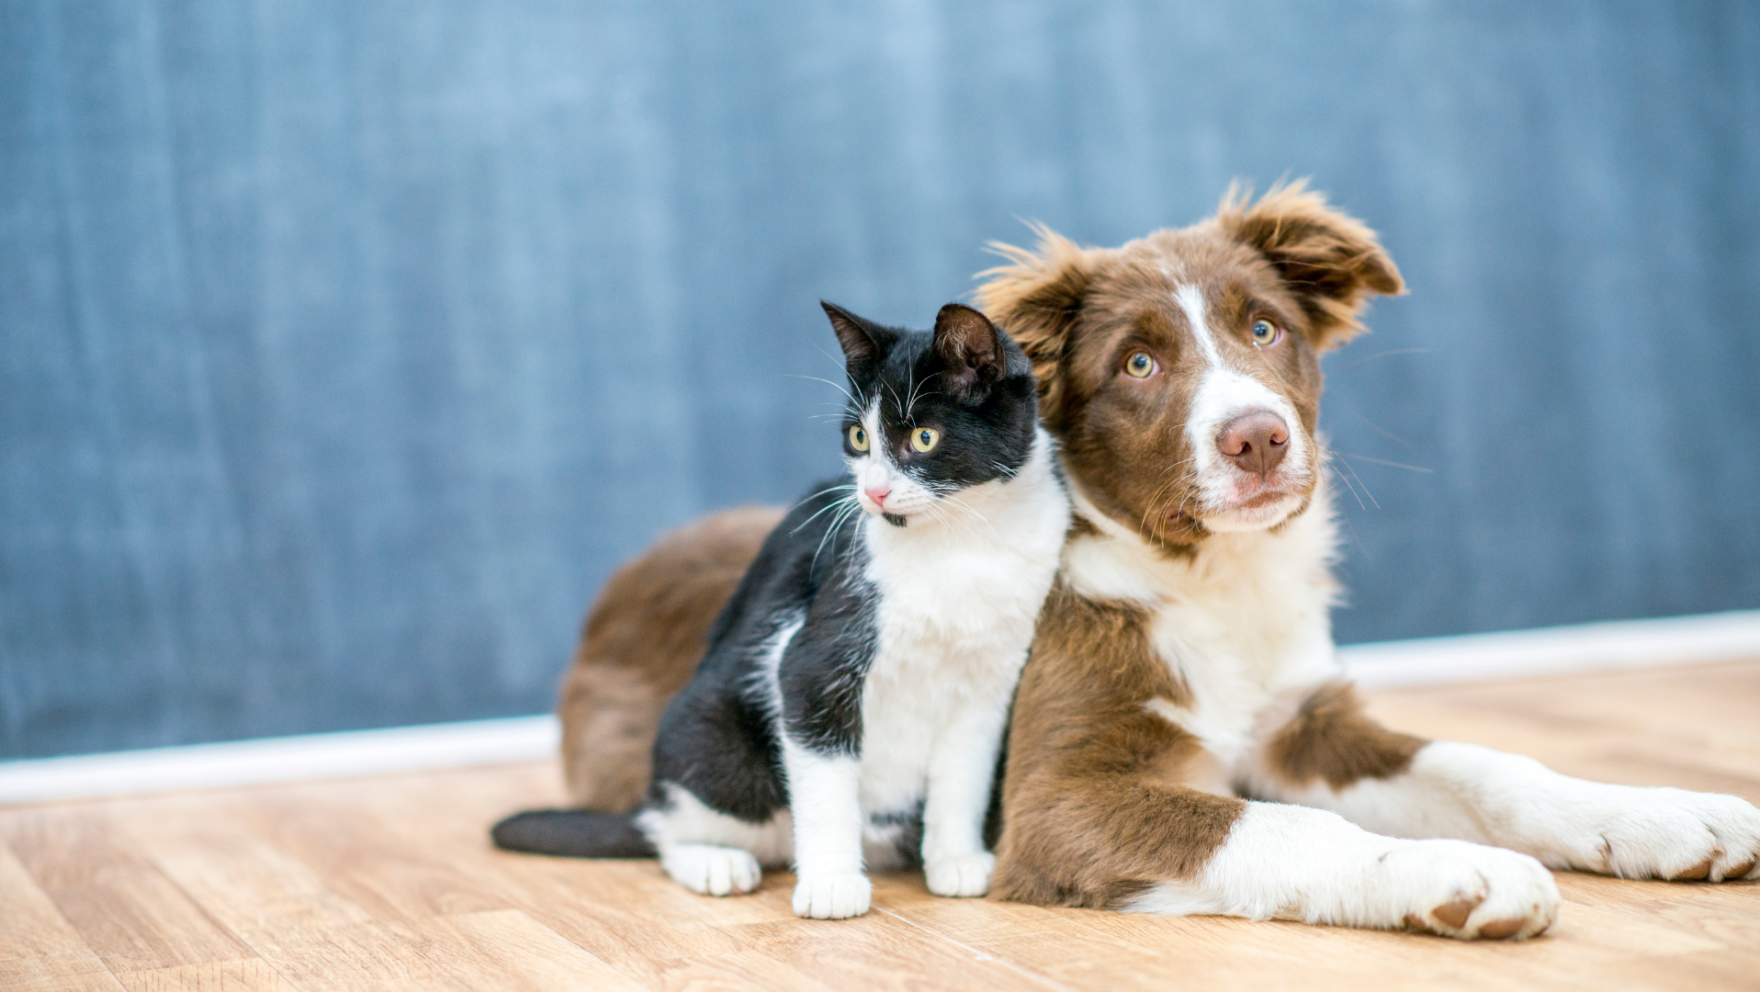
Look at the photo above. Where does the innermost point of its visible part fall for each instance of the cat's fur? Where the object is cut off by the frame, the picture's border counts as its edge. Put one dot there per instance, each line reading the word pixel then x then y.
pixel 851 708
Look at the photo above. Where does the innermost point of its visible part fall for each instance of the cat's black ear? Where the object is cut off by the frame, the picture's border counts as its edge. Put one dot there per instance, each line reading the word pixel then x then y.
pixel 863 341
pixel 970 347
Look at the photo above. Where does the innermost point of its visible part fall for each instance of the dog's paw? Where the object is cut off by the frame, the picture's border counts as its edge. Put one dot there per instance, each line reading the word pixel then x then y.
pixel 963 875
pixel 832 896
pixel 1659 833
pixel 1468 891
pixel 711 869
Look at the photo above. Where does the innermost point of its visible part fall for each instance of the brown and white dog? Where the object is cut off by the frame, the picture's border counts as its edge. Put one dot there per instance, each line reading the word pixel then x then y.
pixel 1183 738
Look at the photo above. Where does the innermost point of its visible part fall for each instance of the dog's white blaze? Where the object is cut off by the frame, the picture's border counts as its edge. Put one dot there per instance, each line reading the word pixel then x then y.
pixel 1223 393
pixel 1191 300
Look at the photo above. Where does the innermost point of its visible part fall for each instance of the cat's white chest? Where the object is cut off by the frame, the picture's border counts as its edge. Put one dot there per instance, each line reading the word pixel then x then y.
pixel 956 612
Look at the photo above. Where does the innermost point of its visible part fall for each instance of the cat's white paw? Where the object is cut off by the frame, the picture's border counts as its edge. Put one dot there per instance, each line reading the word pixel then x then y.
pixel 1657 833
pixel 832 896
pixel 962 875
pixel 712 869
pixel 1467 891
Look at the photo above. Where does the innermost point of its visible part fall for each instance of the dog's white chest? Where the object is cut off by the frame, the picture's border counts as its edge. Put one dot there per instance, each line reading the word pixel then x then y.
pixel 1243 628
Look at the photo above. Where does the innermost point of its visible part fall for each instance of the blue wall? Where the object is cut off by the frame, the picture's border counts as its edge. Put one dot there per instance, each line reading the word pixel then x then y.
pixel 347 346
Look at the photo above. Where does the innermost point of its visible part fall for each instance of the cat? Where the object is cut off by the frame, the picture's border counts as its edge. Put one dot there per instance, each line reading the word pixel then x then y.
pixel 850 711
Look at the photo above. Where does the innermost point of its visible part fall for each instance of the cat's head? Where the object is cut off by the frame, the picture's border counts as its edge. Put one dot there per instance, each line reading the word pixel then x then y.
pixel 932 414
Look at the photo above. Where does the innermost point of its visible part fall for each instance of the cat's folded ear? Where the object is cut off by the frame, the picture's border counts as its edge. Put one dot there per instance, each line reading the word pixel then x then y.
pixel 864 342
pixel 971 348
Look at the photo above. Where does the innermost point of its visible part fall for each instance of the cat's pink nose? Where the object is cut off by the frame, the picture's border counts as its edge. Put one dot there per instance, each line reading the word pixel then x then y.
pixel 878 494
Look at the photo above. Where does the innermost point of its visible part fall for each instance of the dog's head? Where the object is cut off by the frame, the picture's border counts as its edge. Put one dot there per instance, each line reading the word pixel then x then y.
pixel 1182 371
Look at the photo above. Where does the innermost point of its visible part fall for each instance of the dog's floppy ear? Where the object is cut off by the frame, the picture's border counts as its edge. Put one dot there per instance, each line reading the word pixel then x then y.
pixel 1330 259
pixel 1037 297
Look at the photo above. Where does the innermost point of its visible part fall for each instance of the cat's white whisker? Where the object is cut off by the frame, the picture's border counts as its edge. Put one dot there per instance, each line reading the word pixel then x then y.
pixel 912 405
pixel 829 506
pixel 840 388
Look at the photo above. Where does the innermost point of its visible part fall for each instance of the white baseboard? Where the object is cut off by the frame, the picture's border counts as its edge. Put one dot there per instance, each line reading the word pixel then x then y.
pixel 280 759
pixel 1430 661
pixel 1586 647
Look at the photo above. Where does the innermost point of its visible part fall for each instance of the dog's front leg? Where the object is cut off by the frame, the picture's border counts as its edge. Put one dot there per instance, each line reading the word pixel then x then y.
pixel 1095 816
pixel 1295 863
pixel 1332 756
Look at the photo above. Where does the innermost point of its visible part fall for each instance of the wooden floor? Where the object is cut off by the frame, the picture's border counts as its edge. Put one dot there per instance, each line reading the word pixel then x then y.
pixel 390 883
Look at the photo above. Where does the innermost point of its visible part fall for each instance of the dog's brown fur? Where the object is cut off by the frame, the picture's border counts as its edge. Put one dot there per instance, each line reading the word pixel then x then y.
pixel 1102 796
pixel 1105 774
pixel 640 645
pixel 1331 738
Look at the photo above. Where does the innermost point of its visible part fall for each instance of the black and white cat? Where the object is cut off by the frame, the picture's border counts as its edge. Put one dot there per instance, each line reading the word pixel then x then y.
pixel 852 704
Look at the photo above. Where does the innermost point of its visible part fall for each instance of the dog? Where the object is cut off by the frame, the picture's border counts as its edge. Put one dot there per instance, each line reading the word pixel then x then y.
pixel 1184 739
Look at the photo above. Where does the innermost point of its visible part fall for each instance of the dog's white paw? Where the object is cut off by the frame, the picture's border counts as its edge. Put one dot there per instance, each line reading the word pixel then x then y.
pixel 1468 891
pixel 962 875
pixel 712 869
pixel 832 896
pixel 1658 833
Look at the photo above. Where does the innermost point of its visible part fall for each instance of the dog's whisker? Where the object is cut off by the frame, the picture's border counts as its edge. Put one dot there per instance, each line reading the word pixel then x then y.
pixel 1353 471
pixel 1377 428
pixel 1383 461
pixel 1347 484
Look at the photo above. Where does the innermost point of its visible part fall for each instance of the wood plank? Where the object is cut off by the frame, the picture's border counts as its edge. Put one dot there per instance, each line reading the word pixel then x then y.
pixel 39 949
pixel 627 914
pixel 125 909
pixel 507 949
pixel 53 973
pixel 30 925
pixel 314 938
pixel 226 976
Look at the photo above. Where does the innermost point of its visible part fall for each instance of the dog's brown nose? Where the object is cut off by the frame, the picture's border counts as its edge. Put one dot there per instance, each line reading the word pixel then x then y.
pixel 1256 441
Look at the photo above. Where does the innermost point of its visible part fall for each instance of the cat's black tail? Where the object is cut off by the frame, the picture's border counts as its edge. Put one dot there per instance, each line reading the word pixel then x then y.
pixel 574 833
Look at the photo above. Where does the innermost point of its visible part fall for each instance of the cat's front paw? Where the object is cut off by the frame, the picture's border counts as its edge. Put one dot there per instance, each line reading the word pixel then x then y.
pixel 832 897
pixel 1468 891
pixel 962 875
pixel 1669 834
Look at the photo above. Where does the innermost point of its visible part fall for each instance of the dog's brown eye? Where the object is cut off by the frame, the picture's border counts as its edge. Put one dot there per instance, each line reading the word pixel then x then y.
pixel 1139 365
pixel 1265 333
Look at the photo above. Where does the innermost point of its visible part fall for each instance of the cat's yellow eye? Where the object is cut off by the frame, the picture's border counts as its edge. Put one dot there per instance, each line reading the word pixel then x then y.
pixel 1139 365
pixel 1265 333
pixel 924 439
pixel 858 438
